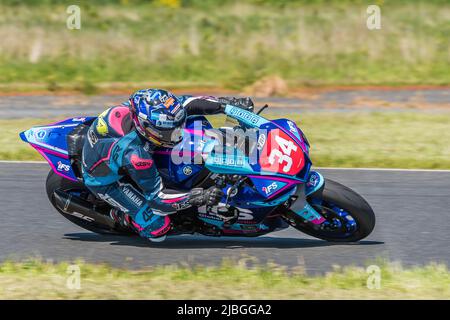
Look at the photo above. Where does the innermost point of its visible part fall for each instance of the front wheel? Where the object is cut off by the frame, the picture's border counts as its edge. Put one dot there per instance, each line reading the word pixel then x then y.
pixel 348 217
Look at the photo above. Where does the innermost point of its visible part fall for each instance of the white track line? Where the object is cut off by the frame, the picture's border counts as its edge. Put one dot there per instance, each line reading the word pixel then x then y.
pixel 318 168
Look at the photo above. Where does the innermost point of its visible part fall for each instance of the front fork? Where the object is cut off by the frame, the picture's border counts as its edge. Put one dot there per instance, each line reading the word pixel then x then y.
pixel 299 204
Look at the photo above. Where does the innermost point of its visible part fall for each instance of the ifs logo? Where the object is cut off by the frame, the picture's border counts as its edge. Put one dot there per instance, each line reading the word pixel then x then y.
pixel 271 187
pixel 63 167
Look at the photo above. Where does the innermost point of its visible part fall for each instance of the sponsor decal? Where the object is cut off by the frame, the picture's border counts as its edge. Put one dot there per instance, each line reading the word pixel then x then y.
pixel 162 98
pixel 210 216
pixel 229 161
pixel 162 231
pixel 261 141
pixel 92 137
pixel 147 215
pixel 136 199
pixel 165 124
pixel 271 187
pixel 174 111
pixel 141 164
pixel 181 206
pixel 101 127
pixel 179 115
pixel 142 115
pixel 292 127
pixel 249 116
pixel 63 167
pixel 313 180
pixel 187 170
pixel 245 214
pixel 81 216
pixel 41 134
pixel 169 102
pixel 29 134
pixel 79 119
pixel 107 198
pixel 117 152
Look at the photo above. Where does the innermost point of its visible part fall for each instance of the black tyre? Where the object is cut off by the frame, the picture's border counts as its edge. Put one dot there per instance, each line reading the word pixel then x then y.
pixel 348 216
pixel 55 182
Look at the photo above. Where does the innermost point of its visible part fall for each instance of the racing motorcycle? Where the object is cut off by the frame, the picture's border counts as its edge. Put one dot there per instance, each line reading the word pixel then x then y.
pixel 263 167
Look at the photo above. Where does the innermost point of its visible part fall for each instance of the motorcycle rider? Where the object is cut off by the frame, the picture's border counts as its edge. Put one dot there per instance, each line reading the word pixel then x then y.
pixel 119 145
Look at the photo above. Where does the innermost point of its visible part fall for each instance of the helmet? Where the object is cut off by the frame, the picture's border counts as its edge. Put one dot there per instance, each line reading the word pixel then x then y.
pixel 158 116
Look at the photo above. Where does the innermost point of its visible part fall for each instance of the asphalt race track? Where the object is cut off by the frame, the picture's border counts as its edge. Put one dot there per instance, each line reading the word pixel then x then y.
pixel 412 210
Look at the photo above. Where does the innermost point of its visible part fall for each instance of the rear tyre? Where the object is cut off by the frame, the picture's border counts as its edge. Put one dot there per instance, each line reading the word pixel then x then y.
pixel 55 182
pixel 349 217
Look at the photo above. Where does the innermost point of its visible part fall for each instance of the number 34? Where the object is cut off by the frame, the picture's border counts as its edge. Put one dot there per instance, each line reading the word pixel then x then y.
pixel 283 155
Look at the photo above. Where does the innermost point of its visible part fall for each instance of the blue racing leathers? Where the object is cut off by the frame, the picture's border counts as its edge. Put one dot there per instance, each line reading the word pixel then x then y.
pixel 117 166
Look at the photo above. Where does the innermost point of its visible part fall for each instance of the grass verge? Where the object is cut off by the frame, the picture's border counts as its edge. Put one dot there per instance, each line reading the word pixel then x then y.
pixel 381 140
pixel 231 44
pixel 38 280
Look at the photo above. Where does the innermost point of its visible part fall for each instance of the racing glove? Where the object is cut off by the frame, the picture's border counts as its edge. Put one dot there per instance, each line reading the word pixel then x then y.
pixel 243 103
pixel 210 197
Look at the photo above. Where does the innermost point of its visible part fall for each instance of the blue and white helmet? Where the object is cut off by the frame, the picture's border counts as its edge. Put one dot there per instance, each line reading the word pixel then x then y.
pixel 159 116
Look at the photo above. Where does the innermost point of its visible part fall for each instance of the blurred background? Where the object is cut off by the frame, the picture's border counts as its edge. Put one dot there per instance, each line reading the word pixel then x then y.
pixel 315 60
pixel 227 43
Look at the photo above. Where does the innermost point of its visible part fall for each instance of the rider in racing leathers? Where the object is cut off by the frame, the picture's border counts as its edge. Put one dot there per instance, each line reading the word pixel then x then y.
pixel 119 144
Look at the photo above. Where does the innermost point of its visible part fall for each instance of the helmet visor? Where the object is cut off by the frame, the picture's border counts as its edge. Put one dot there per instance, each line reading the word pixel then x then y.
pixel 165 137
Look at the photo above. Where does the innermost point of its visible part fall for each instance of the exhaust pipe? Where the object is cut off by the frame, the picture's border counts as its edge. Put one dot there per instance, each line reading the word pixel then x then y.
pixel 80 208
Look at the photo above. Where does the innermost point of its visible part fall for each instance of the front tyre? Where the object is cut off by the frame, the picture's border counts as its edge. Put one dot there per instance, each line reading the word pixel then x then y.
pixel 348 217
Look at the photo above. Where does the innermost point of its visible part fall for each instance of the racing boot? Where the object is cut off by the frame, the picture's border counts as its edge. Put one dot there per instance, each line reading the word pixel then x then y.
pixel 155 228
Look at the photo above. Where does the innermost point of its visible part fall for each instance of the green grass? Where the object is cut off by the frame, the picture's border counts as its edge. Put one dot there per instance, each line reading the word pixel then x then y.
pixel 232 44
pixel 382 140
pixel 12 147
pixel 37 280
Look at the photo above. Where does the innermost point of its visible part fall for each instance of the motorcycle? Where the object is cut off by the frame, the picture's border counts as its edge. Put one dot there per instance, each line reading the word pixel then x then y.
pixel 263 167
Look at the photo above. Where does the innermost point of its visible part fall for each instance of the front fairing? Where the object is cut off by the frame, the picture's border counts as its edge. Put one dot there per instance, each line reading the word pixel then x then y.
pixel 270 180
pixel 204 147
pixel 258 157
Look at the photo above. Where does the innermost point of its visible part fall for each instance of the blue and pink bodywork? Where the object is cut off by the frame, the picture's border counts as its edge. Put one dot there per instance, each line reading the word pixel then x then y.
pixel 271 185
pixel 50 142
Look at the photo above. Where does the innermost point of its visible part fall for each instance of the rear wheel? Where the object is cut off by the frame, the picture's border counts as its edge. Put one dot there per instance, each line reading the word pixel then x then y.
pixel 55 182
pixel 348 217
